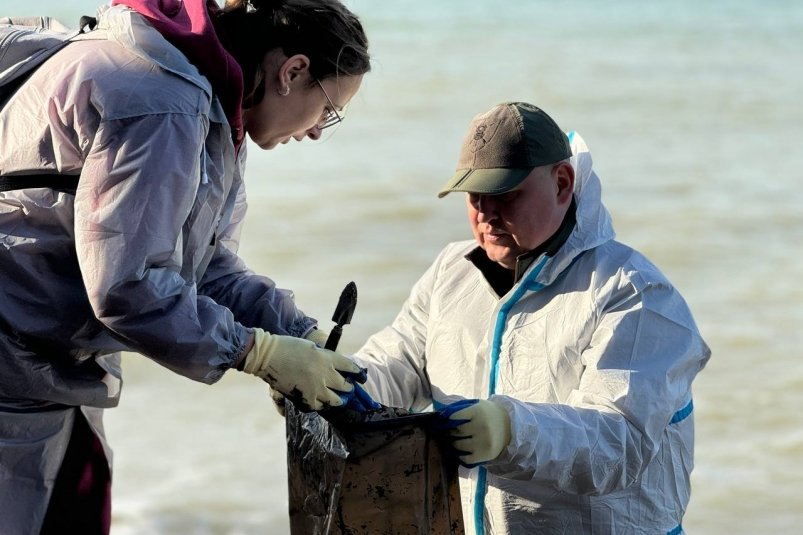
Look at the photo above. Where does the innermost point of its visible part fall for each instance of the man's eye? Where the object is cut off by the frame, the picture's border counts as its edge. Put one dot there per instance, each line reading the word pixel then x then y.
pixel 508 197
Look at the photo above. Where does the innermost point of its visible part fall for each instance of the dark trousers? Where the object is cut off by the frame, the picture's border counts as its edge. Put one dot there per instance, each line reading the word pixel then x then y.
pixel 81 499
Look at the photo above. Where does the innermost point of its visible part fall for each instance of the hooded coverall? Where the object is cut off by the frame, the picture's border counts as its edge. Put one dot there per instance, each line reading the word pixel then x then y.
pixel 142 258
pixel 592 353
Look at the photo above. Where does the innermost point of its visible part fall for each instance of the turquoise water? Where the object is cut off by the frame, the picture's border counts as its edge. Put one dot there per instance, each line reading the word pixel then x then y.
pixel 692 112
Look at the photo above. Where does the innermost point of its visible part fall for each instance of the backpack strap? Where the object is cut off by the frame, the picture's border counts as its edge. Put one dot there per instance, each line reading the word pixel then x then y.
pixel 64 183
pixel 25 43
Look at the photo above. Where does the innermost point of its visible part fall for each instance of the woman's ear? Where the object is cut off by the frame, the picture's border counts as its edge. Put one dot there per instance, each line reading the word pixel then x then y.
pixel 293 69
pixel 564 178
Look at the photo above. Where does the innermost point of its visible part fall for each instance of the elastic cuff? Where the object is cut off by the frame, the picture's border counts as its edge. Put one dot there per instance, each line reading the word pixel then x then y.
pixel 249 344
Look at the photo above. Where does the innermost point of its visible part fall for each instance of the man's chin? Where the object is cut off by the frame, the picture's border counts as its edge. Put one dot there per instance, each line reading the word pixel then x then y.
pixel 502 256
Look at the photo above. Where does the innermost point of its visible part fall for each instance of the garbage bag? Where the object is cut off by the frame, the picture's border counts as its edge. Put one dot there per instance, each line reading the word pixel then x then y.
pixel 378 472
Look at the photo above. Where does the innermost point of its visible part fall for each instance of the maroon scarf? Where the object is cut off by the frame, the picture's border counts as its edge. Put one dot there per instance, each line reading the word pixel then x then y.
pixel 187 25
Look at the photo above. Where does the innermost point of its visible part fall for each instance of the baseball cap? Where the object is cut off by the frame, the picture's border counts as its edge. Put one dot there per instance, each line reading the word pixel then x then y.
pixel 503 146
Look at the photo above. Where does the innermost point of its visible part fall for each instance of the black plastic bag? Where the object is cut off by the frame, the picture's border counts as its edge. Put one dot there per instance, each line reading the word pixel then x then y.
pixel 379 472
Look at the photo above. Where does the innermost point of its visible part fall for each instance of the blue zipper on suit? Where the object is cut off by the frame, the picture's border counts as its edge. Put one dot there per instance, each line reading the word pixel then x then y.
pixel 527 284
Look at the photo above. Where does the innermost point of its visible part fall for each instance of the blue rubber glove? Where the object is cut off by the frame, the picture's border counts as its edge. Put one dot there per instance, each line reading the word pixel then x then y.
pixel 479 429
pixel 358 400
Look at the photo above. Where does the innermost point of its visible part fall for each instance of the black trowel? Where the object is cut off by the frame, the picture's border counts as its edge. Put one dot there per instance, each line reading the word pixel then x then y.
pixel 343 313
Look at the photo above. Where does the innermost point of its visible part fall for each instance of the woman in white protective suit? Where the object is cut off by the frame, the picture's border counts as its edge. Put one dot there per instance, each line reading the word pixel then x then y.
pixel 138 125
pixel 560 359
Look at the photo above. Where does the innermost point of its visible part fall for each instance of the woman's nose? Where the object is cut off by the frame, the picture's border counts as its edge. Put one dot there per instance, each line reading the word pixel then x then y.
pixel 313 133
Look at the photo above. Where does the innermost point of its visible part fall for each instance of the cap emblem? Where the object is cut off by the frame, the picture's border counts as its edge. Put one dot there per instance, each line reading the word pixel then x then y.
pixel 483 135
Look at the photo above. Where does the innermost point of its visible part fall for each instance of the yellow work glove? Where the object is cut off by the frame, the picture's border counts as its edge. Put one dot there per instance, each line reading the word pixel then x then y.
pixel 299 369
pixel 480 430
pixel 317 336
pixel 279 400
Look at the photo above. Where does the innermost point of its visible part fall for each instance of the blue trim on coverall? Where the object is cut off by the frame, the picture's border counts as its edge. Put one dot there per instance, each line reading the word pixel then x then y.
pixel 683 413
pixel 528 284
pixel 679 416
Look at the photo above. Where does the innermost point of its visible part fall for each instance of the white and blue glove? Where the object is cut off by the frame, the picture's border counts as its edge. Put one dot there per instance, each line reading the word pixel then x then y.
pixel 479 430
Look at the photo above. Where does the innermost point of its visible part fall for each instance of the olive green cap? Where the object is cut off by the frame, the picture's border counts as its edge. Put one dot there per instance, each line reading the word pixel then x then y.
pixel 503 146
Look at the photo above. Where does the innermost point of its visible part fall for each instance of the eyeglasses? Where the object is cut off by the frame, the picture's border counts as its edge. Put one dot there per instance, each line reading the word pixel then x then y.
pixel 331 117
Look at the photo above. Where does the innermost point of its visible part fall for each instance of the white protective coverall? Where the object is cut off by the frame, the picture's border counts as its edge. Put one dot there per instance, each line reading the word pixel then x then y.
pixel 592 353
pixel 142 258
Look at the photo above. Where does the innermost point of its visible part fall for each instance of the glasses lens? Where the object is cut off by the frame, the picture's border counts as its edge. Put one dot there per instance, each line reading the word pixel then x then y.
pixel 332 117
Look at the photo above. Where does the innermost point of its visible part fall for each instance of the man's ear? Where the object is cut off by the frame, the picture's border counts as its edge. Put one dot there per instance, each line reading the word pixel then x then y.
pixel 293 69
pixel 564 178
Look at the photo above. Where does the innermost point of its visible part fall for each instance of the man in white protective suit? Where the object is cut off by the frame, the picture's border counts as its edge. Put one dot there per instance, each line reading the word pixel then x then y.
pixel 561 360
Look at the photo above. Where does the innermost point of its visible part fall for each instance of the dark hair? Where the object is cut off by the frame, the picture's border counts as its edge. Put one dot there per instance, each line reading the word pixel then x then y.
pixel 325 31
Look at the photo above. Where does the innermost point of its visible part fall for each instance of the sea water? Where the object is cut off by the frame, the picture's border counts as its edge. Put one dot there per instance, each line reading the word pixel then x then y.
pixel 692 112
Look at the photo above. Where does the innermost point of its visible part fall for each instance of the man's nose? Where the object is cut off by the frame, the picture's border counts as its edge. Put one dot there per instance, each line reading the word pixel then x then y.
pixel 487 207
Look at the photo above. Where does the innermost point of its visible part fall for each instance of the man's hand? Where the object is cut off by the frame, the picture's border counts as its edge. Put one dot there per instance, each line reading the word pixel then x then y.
pixel 311 377
pixel 480 430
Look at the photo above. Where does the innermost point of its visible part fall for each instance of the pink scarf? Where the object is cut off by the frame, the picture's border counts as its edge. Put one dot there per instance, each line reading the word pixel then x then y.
pixel 187 25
